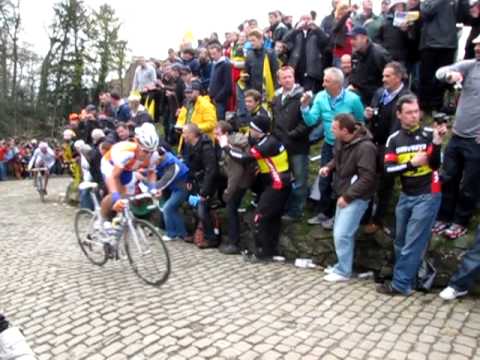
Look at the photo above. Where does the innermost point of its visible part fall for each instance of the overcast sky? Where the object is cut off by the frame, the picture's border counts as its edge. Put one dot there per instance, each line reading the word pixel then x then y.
pixel 152 26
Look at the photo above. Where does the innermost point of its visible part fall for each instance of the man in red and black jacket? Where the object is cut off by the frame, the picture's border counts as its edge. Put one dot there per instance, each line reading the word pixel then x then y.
pixel 414 153
pixel 272 159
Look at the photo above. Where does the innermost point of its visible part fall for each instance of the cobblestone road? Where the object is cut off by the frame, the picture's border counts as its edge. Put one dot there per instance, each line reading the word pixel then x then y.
pixel 212 307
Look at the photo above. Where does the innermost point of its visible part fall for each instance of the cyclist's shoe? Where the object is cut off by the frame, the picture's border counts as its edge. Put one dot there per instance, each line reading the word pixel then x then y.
pixel 109 251
pixel 45 192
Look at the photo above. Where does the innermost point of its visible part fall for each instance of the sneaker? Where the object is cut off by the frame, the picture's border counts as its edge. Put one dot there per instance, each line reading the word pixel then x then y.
pixel 449 293
pixel 317 220
pixel 13 345
pixel 387 289
pixel 440 227
pixel 328 270
pixel 334 277
pixel 167 238
pixel 455 231
pixel 328 224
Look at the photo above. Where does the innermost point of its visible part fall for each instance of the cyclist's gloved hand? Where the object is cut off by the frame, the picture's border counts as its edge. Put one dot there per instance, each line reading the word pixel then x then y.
pixel 193 200
pixel 118 206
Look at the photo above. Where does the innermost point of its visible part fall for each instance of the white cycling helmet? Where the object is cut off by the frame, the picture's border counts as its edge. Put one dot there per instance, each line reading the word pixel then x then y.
pixel 68 134
pixel 147 136
pixel 43 145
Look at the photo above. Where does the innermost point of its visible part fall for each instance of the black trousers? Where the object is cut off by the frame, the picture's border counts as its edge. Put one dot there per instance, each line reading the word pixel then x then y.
pixel 460 177
pixel 233 205
pixel 268 220
pixel 431 90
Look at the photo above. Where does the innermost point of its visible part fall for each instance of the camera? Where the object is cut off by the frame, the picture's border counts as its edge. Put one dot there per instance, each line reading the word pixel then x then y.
pixel 441 118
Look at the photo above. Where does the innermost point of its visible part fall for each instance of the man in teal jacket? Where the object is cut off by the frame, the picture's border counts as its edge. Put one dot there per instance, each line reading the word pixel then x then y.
pixel 326 105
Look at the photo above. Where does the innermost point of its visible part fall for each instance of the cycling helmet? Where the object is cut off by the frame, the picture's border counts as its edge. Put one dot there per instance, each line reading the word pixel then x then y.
pixel 147 137
pixel 68 134
pixel 43 145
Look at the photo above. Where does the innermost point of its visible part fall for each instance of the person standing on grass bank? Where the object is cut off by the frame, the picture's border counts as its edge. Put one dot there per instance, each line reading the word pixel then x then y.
pixel 354 163
pixel 414 153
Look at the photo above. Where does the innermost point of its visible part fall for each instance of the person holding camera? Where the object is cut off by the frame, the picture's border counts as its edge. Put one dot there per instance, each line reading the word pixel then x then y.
pixel 461 168
pixel 413 153
pixel 383 122
pixel 309 53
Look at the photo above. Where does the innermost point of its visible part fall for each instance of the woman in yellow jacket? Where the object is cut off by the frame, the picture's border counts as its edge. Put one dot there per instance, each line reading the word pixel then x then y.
pixel 199 110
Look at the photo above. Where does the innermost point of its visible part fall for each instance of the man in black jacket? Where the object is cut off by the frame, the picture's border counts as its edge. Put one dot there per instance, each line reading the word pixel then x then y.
pixel 309 55
pixel 292 132
pixel 220 87
pixel 272 159
pixel 255 65
pixel 383 122
pixel 277 27
pixel 368 61
pixel 201 159
pixel 438 43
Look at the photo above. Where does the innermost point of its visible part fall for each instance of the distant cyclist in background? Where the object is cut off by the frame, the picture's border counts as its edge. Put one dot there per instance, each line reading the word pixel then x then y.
pixel 43 157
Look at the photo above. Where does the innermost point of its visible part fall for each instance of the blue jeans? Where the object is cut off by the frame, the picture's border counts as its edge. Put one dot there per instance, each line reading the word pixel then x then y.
pixel 174 223
pixel 415 216
pixel 298 196
pixel 469 269
pixel 86 201
pixel 241 109
pixel 346 225
pixel 3 170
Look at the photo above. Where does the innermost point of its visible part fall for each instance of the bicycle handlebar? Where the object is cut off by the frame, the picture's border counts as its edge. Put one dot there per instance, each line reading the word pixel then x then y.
pixel 38 169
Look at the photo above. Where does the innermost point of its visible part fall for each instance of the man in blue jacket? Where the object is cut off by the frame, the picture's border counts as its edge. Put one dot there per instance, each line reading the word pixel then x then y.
pixel 327 104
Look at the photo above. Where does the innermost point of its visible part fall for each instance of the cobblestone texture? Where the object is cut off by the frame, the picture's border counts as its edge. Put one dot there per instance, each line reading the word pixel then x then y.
pixel 212 307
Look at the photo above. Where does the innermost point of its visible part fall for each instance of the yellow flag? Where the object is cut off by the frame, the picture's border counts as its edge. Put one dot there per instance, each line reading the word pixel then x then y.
pixel 268 85
pixel 150 105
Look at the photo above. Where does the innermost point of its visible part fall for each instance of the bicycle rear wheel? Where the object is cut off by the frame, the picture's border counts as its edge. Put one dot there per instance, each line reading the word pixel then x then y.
pixel 147 253
pixel 88 238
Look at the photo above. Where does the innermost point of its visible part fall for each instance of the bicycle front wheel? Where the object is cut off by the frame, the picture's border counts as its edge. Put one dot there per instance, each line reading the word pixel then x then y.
pixel 147 253
pixel 41 187
pixel 89 238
